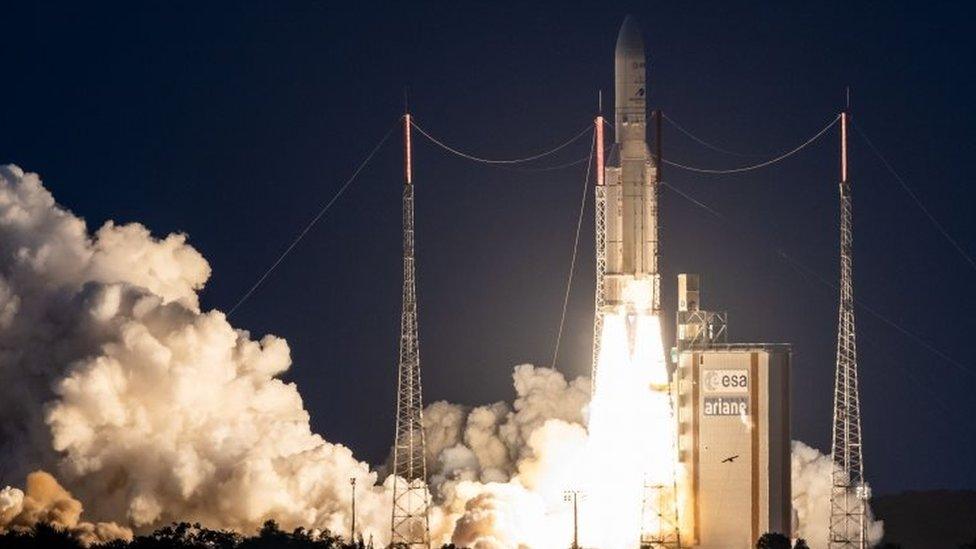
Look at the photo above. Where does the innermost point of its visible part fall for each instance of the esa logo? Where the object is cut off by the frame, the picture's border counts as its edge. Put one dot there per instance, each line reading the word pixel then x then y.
pixel 725 381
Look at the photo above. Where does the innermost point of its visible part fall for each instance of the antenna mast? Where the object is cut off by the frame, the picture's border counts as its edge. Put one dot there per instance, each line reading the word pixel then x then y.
pixel 849 495
pixel 410 526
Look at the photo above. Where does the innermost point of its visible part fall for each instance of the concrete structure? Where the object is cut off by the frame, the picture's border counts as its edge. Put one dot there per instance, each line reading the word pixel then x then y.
pixel 733 415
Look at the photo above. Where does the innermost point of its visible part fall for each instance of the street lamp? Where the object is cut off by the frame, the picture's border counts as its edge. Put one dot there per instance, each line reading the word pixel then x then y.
pixel 574 496
pixel 352 534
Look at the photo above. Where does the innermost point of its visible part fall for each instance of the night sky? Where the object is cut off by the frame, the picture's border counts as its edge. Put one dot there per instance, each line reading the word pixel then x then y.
pixel 235 122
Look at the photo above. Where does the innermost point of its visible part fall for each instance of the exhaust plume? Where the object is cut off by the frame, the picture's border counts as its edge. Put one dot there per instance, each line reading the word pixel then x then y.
pixel 812 482
pixel 149 409
pixel 45 501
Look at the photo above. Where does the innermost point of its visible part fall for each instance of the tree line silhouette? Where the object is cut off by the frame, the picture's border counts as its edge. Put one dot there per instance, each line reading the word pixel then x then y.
pixel 184 535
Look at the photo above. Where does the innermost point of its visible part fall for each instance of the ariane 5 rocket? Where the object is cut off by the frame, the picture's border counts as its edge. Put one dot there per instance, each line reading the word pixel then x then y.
pixel 631 281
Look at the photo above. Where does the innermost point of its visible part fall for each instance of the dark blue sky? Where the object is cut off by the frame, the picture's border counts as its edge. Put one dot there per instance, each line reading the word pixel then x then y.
pixel 234 122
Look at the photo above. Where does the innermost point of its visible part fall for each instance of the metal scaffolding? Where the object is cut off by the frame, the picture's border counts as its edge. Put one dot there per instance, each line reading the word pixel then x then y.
pixel 659 517
pixel 697 329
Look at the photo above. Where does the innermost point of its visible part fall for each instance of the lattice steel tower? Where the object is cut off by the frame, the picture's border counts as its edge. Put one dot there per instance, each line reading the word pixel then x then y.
pixel 410 526
pixel 848 497
pixel 600 194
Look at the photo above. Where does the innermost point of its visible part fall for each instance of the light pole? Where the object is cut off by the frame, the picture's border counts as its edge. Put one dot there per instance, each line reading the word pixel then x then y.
pixel 574 497
pixel 352 534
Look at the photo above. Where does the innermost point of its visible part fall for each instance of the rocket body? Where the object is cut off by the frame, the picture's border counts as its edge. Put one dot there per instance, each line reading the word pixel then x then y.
pixel 632 281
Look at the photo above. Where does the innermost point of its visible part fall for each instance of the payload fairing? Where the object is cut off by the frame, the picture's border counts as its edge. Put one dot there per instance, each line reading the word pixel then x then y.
pixel 632 282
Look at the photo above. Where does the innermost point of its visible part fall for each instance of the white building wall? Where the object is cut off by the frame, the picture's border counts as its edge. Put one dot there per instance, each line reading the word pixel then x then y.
pixel 734 443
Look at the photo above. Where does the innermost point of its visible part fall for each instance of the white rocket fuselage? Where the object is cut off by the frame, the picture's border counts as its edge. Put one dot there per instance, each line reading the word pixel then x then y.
pixel 632 281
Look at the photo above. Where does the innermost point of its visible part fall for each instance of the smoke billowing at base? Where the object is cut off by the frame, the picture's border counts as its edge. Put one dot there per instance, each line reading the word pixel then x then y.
pixel 136 409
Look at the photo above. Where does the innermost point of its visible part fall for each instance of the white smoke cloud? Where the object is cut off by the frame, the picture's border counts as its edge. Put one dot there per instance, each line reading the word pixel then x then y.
pixel 498 471
pixel 45 500
pixel 148 409
pixel 151 410
pixel 489 441
pixel 812 480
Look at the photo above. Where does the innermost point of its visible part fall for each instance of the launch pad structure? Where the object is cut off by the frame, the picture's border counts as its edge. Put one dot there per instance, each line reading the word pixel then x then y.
pixel 730 402
pixel 733 427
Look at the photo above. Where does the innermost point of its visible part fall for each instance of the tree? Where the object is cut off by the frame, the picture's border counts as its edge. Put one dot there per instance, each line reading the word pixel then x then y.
pixel 183 535
pixel 773 540
pixel 801 544
pixel 217 539
pixel 269 536
pixel 42 535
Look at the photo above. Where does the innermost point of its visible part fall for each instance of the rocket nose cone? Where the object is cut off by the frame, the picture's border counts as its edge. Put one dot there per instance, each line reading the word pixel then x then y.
pixel 629 40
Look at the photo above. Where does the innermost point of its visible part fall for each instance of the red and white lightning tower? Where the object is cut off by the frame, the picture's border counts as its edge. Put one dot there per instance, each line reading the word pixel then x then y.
pixel 410 526
pixel 848 497
pixel 600 191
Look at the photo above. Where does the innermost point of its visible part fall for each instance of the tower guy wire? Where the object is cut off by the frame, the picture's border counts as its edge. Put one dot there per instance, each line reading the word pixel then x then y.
pixel 475 158
pixel 701 141
pixel 908 190
pixel 308 226
pixel 812 277
pixel 572 263
pixel 809 273
pixel 751 167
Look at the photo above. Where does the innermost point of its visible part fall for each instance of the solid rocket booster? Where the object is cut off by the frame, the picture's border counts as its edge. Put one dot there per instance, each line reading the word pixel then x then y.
pixel 631 278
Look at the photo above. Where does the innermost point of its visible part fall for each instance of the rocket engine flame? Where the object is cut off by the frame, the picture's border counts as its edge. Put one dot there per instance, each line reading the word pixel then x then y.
pixel 631 427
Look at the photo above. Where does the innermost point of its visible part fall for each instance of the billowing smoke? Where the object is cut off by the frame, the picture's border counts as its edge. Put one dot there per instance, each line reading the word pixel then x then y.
pixel 498 472
pixel 487 443
pixel 147 408
pixel 812 481
pixel 46 501
pixel 150 410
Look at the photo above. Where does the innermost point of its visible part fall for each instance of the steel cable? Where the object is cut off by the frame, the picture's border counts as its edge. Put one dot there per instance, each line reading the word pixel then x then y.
pixel 741 169
pixel 563 166
pixel 908 190
pixel 808 273
pixel 779 158
pixel 572 263
pixel 469 156
pixel 312 223
pixel 701 141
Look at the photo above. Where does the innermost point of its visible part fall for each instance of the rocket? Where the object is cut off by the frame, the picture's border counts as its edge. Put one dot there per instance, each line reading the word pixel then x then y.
pixel 631 281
